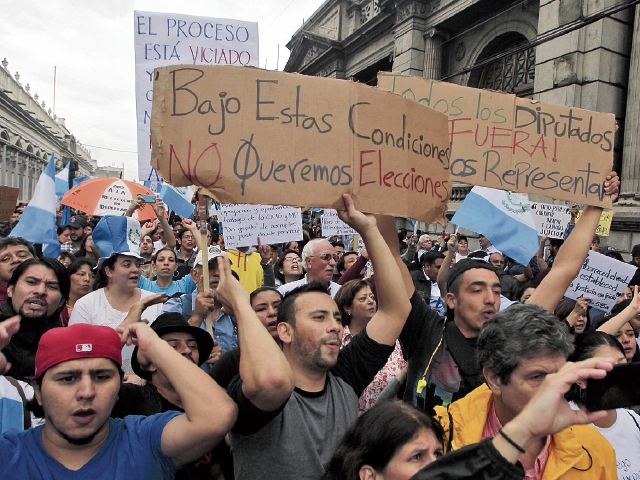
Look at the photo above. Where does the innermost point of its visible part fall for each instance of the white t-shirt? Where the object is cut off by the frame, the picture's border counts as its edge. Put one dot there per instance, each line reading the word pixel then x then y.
pixel 624 437
pixel 95 309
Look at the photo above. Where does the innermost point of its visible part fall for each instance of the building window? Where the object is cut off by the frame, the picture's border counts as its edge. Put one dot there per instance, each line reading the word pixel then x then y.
pixel 513 73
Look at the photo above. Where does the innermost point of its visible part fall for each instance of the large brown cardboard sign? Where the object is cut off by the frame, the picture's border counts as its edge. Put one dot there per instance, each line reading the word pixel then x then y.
pixel 253 136
pixel 8 199
pixel 499 140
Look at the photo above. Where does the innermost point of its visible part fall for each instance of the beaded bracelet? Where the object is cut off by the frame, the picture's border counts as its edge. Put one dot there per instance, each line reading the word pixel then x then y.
pixel 513 444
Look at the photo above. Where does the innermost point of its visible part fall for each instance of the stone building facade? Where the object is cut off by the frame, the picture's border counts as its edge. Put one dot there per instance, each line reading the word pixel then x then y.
pixel 582 53
pixel 29 132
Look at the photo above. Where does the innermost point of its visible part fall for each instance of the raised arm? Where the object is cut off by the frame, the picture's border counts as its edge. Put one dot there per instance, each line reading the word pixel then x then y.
pixel 387 228
pixel 615 324
pixel 135 204
pixel 195 231
pixel 267 379
pixel 137 309
pixel 158 209
pixel 209 413
pixel 393 304
pixel 452 248
pixel 542 263
pixel 571 255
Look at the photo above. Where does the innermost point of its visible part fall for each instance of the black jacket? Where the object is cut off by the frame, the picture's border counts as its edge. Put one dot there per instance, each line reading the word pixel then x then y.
pixel 21 351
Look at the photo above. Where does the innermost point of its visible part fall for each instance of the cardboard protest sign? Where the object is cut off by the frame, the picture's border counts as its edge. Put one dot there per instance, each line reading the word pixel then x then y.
pixel 254 136
pixel 551 220
pixel 602 279
pixel 172 39
pixel 331 224
pixel 243 224
pixel 502 141
pixel 604 224
pixel 8 200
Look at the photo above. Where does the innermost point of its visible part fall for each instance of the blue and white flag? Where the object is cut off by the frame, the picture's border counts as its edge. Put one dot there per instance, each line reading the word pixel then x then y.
pixel 178 200
pixel 78 180
pixel 503 217
pixel 37 223
pixel 11 416
pixel 62 181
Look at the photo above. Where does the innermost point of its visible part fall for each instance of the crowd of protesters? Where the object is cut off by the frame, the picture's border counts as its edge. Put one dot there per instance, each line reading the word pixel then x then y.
pixel 159 353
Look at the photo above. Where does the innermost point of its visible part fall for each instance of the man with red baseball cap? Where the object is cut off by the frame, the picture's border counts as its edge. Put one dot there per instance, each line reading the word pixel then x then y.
pixel 78 376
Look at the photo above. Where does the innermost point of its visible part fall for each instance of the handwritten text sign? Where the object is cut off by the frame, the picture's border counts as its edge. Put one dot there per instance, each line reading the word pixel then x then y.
pixel 8 199
pixel 604 224
pixel 172 39
pixel 254 136
pixel 551 220
pixel 332 225
pixel 243 224
pixel 502 141
pixel 602 279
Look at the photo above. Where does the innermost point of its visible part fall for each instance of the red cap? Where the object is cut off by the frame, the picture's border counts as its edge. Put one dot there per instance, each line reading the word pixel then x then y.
pixel 77 341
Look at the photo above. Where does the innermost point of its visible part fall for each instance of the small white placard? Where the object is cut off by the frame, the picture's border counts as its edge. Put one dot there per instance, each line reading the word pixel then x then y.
pixel 602 279
pixel 242 224
pixel 551 220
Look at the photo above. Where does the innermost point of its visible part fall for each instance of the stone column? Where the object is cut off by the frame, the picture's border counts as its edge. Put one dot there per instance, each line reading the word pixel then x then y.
pixel 433 40
pixel 630 187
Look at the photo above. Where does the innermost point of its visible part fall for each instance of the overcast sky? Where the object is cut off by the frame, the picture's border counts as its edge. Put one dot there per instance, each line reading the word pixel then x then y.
pixel 91 44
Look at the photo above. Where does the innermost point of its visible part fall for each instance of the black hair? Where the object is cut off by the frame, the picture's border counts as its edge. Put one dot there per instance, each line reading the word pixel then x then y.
pixel 586 345
pixel 340 264
pixel 164 249
pixel 556 242
pixel 62 228
pixel 287 311
pixel 565 307
pixel 52 264
pixel 523 288
pixel 14 241
pixel 102 280
pixel 337 244
pixel 430 258
pixel 259 290
pixel 279 264
pixel 376 437
pixel 78 263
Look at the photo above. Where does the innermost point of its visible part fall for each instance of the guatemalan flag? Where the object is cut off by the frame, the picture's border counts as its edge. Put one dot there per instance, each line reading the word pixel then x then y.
pixel 62 187
pixel 178 199
pixel 503 217
pixel 37 223
pixel 11 416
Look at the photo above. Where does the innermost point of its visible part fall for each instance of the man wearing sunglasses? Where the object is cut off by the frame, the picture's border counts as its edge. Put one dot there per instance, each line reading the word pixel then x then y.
pixel 318 260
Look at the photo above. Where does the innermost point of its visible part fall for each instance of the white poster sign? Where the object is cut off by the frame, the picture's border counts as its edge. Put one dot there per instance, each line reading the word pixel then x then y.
pixel 332 225
pixel 243 224
pixel 602 279
pixel 162 39
pixel 551 220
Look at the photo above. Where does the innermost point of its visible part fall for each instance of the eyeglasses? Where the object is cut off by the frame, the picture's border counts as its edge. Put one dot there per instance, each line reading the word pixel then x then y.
pixel 292 259
pixel 187 237
pixel 327 256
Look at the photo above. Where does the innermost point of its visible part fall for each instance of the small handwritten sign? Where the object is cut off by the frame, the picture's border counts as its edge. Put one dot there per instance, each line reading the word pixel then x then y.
pixel 8 199
pixel 254 136
pixel 551 220
pixel 602 279
pixel 243 224
pixel 604 224
pixel 332 225
pixel 501 141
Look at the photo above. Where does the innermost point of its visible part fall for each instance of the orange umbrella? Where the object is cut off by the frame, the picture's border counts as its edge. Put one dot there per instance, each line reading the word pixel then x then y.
pixel 107 196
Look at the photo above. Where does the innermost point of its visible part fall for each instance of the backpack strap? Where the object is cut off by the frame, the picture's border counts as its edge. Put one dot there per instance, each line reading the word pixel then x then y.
pixel 463 354
pixel 634 419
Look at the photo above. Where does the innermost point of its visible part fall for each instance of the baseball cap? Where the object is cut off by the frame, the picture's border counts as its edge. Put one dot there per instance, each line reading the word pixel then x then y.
pixel 169 323
pixel 213 252
pixel 116 235
pixel 78 341
pixel 78 221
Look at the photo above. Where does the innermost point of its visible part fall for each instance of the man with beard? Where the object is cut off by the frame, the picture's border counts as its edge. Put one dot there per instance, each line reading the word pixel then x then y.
pixel 37 291
pixel 78 377
pixel 80 228
pixel 13 251
pixel 296 430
